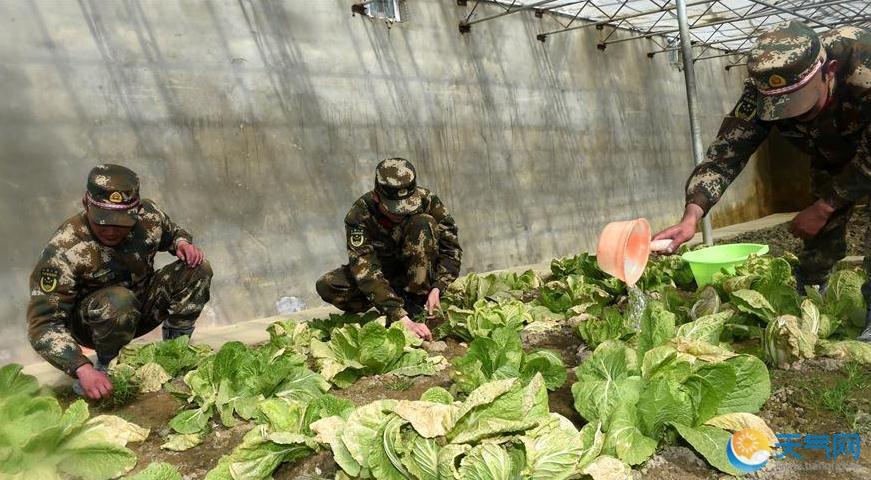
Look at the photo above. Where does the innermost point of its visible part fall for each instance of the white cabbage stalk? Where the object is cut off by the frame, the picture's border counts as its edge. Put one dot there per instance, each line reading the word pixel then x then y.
pixel 788 339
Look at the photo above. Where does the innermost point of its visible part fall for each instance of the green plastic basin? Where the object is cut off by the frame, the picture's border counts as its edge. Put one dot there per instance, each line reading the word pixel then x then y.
pixel 706 262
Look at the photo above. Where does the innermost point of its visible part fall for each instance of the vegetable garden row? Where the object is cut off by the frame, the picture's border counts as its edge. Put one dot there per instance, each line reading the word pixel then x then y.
pixel 676 371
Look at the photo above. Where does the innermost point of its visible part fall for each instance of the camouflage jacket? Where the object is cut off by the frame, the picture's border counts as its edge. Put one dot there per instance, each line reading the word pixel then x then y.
pixel 75 264
pixel 838 140
pixel 381 245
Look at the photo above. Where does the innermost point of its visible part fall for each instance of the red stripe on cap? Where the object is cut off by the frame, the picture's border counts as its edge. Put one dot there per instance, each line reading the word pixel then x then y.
pixel 795 86
pixel 112 206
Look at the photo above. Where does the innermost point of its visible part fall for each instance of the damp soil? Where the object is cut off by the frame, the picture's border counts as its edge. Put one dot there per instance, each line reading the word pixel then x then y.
pixel 154 411
pixel 780 241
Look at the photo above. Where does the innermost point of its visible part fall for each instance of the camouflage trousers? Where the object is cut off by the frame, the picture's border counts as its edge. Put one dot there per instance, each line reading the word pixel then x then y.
pixel 111 317
pixel 822 252
pixel 411 273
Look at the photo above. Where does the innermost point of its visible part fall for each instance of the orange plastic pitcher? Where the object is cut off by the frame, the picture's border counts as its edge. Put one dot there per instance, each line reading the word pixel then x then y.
pixel 624 248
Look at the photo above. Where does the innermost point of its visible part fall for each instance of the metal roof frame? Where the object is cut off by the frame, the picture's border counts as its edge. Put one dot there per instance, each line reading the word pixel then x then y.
pixel 727 25
pixel 694 28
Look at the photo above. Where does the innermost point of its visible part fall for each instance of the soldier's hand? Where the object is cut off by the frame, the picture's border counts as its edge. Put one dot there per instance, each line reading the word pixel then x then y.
pixel 808 223
pixel 419 329
pixel 683 231
pixel 189 254
pixel 433 302
pixel 95 383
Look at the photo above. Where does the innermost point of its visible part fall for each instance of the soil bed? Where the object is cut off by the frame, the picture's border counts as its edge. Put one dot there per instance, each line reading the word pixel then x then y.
pixel 796 406
pixel 780 241
pixel 821 397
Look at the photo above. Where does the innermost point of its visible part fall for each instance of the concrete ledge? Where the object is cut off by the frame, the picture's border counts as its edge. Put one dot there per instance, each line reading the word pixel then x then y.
pixel 767 222
pixel 852 261
pixel 739 228
pixel 254 331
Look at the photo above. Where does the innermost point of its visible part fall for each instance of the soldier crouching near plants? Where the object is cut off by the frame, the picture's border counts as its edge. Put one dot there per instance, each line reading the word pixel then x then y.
pixel 816 89
pixel 403 250
pixel 95 283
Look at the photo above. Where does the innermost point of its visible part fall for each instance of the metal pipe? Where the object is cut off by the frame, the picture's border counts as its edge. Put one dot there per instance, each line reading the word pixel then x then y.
pixel 757 28
pixel 726 54
pixel 791 12
pixel 718 22
pixel 507 12
pixel 586 3
pixel 705 44
pixel 547 9
pixel 689 74
pixel 620 18
pixel 737 39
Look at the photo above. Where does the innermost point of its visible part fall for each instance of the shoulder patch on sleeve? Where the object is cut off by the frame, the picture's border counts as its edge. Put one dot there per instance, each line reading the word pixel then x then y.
pixel 356 237
pixel 746 107
pixel 48 279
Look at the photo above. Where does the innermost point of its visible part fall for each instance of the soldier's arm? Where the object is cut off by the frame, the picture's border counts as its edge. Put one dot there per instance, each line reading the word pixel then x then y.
pixel 854 181
pixel 172 234
pixel 52 296
pixel 739 136
pixel 366 270
pixel 450 252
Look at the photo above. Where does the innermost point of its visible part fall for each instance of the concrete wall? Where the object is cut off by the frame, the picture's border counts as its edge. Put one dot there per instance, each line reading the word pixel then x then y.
pixel 256 124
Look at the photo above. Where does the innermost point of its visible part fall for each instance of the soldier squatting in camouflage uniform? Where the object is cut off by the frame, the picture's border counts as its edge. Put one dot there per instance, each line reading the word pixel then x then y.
pixel 816 89
pixel 403 250
pixel 95 283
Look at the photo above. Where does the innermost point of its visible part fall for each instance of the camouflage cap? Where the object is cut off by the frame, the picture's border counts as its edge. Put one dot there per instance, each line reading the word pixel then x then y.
pixel 782 66
pixel 113 195
pixel 396 186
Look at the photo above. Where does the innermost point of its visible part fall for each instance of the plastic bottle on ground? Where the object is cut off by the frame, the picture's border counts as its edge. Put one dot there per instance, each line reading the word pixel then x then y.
pixel 288 305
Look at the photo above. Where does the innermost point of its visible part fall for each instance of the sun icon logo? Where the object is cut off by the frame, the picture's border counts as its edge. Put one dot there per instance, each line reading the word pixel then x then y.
pixel 748 450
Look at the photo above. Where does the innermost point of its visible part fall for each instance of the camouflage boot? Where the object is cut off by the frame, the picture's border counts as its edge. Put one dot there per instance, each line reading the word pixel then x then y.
pixel 414 304
pixel 802 282
pixel 170 333
pixel 865 336
pixel 179 325
pixel 103 362
pixel 77 388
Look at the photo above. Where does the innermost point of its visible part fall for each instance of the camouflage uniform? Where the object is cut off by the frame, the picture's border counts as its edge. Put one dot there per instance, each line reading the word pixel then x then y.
pixel 838 140
pixel 393 266
pixel 85 293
